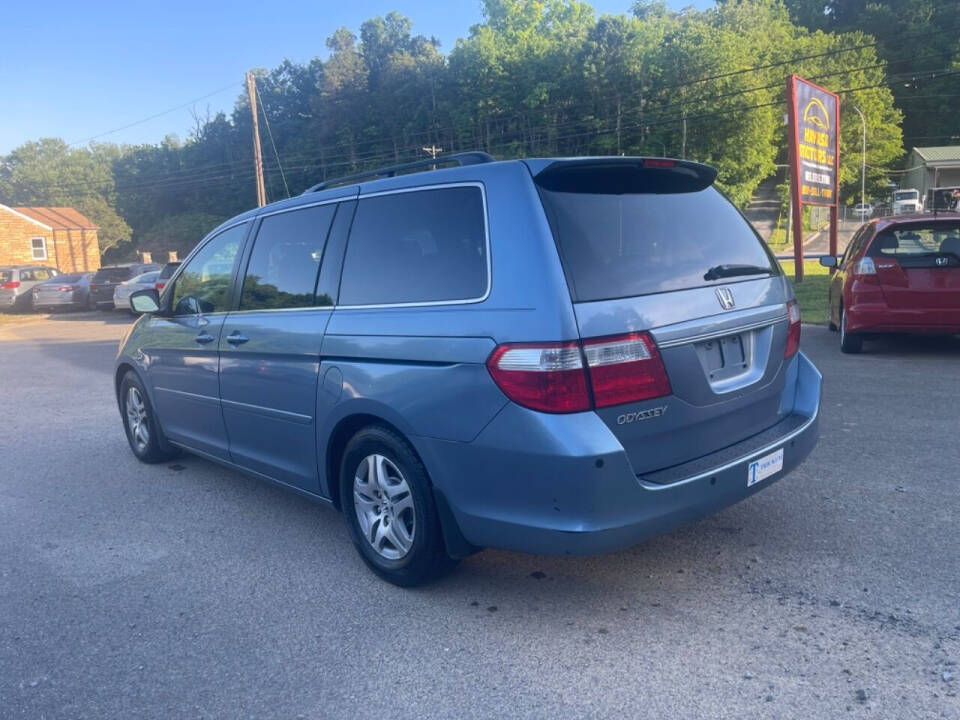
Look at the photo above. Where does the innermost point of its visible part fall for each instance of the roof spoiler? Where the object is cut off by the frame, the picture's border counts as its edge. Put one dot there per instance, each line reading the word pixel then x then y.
pixel 626 175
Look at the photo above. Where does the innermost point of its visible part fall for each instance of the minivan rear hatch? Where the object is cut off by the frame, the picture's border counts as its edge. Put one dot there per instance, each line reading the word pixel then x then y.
pixel 652 251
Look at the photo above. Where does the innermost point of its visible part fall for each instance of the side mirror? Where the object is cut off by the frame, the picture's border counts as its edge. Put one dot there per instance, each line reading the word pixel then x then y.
pixel 145 301
pixel 828 261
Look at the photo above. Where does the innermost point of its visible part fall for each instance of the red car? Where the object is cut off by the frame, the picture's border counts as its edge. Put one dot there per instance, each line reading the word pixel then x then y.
pixel 898 275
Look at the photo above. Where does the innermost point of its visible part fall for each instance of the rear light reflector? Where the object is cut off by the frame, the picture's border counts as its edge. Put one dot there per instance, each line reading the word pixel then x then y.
pixel 161 284
pixel 552 377
pixel 12 285
pixel 865 270
pixel 625 368
pixel 659 163
pixel 547 377
pixel 793 329
pixel 65 288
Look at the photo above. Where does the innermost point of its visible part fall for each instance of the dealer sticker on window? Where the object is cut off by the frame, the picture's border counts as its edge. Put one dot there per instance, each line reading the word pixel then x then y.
pixel 764 467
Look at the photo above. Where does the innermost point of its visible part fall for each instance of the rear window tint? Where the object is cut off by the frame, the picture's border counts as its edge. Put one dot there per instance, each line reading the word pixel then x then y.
pixel 930 239
pixel 622 245
pixel 113 274
pixel 6 276
pixel 415 247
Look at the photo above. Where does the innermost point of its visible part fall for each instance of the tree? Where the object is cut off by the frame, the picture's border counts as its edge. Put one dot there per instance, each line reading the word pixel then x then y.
pixel 49 172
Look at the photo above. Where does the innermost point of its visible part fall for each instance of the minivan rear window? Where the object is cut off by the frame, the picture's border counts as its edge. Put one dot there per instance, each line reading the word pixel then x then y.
pixel 417 247
pixel 627 244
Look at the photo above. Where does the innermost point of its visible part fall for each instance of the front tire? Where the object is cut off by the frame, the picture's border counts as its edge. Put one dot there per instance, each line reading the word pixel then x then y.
pixel 850 343
pixel 140 422
pixel 388 504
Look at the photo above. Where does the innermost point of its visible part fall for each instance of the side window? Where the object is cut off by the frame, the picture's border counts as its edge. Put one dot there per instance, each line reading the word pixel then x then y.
pixel 415 247
pixel 855 243
pixel 26 276
pixel 204 284
pixel 283 267
pixel 42 274
pixel 38 248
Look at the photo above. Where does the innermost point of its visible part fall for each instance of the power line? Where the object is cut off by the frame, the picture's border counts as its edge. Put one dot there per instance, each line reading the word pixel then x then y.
pixel 154 116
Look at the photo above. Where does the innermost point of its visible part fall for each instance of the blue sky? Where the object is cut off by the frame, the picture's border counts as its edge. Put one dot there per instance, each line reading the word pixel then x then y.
pixel 80 69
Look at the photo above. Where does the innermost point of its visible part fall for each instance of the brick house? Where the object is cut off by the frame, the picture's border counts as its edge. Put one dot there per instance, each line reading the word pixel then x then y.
pixel 57 237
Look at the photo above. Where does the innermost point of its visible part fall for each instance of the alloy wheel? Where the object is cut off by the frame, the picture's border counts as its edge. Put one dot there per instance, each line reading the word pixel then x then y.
pixel 384 507
pixel 137 419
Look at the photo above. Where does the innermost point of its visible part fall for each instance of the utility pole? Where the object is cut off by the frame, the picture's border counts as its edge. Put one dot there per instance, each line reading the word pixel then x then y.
pixel 683 149
pixel 863 163
pixel 433 150
pixel 257 155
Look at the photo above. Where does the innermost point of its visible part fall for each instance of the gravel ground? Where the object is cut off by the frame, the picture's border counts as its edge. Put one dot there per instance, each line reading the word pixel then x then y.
pixel 187 590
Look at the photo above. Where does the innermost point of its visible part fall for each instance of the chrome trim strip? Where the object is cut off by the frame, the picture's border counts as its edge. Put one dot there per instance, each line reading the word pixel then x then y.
pixel 269 412
pixel 713 471
pixel 209 399
pixel 283 310
pixel 733 330
pixel 343 198
pixel 486 232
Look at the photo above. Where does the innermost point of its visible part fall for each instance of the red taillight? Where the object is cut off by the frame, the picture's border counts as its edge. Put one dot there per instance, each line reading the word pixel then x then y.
pixel 659 163
pixel 793 330
pixel 12 285
pixel 161 284
pixel 547 377
pixel 93 287
pixel 625 368
pixel 551 377
pixel 65 288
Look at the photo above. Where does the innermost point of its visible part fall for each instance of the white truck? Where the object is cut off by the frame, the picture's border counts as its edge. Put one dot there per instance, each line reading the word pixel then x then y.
pixel 906 202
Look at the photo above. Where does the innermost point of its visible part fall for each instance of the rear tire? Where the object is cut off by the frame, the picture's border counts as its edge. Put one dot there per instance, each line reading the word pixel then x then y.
pixel 140 423
pixel 388 504
pixel 850 343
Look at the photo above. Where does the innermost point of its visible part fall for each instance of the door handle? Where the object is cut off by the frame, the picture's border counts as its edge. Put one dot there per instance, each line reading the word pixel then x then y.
pixel 204 338
pixel 235 338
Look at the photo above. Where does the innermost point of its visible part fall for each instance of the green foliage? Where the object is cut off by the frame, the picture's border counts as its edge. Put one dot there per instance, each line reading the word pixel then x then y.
pixel 48 172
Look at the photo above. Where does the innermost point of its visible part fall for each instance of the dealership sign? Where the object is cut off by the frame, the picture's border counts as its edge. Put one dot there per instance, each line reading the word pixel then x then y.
pixel 813 115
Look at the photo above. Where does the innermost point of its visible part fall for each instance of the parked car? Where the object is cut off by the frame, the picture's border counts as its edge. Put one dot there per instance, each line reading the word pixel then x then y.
pixel 863 210
pixel 16 282
pixel 552 356
pixel 71 290
pixel 906 202
pixel 898 275
pixel 106 279
pixel 166 273
pixel 123 291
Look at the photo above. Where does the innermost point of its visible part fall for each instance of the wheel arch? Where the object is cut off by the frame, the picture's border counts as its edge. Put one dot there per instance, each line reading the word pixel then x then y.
pixel 348 426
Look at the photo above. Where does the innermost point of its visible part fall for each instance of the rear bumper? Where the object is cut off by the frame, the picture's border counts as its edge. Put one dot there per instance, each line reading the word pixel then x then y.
pixel 52 301
pixel 562 484
pixel 880 318
pixel 121 303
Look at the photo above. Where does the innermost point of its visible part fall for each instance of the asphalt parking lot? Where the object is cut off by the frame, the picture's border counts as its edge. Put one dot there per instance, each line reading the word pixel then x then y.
pixel 187 590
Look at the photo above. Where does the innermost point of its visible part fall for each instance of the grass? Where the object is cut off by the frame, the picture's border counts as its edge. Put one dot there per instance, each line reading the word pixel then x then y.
pixel 812 292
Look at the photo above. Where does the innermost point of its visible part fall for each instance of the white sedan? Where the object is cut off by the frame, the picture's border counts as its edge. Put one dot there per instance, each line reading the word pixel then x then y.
pixel 123 291
pixel 863 210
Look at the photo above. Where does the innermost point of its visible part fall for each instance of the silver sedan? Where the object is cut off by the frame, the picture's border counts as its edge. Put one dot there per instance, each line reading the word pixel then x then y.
pixel 123 291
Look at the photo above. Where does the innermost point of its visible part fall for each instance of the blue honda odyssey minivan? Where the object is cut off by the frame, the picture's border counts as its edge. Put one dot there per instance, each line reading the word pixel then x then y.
pixel 547 355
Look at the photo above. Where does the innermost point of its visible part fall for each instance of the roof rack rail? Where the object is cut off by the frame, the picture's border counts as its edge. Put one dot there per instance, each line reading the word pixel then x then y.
pixel 475 157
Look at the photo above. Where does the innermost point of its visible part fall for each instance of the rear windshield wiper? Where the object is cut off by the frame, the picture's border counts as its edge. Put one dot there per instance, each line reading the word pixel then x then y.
pixel 725 271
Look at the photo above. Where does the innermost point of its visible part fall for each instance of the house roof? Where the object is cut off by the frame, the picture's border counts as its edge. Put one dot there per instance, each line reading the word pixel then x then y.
pixel 944 153
pixel 57 218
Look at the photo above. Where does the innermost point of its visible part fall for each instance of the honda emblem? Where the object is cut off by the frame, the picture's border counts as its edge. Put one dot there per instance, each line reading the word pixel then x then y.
pixel 941 261
pixel 725 296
